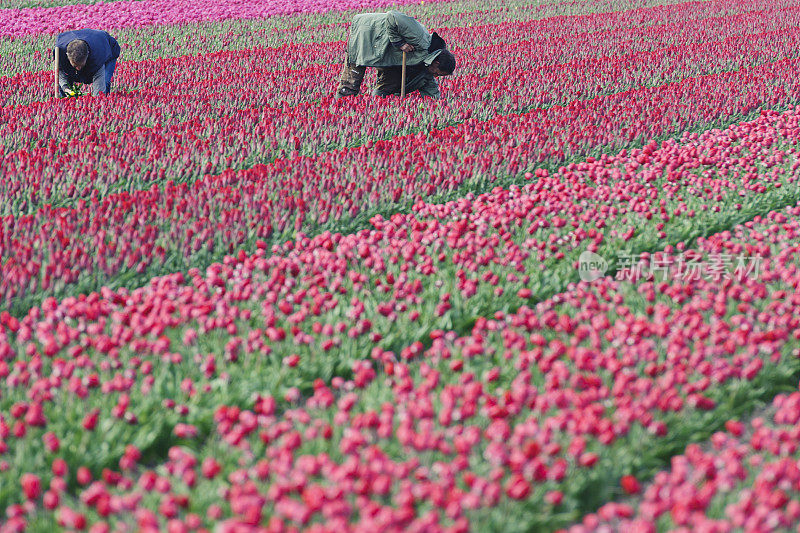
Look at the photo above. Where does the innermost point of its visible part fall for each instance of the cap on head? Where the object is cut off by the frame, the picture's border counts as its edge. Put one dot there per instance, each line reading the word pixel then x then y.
pixel 78 53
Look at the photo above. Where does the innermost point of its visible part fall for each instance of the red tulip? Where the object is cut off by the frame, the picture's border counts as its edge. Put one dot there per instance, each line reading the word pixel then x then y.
pixel 31 486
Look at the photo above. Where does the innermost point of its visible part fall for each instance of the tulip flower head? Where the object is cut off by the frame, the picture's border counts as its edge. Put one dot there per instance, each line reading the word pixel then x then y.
pixel 229 304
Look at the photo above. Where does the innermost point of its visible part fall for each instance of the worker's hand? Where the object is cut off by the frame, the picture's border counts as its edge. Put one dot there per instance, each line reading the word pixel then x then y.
pixel 72 91
pixel 406 48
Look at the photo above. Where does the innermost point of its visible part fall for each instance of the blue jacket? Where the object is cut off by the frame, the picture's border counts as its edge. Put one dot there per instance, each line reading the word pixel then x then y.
pixel 102 49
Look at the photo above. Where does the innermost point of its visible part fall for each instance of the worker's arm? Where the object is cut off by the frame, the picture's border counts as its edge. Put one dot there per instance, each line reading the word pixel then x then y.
pixel 429 87
pixel 404 29
pixel 64 85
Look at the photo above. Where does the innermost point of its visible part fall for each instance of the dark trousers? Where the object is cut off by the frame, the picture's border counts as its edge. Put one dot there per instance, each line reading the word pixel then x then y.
pixel 390 79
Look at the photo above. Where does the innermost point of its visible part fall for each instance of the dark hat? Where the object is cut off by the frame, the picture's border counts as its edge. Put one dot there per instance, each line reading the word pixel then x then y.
pixel 437 43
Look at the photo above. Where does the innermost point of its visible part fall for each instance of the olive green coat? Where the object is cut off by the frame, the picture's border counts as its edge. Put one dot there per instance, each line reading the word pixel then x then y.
pixel 372 35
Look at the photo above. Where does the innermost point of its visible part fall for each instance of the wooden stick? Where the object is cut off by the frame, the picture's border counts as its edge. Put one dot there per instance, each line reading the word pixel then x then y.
pixel 56 84
pixel 403 77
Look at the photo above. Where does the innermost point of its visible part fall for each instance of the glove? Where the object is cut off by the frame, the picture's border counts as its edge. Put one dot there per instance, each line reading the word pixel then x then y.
pixel 72 91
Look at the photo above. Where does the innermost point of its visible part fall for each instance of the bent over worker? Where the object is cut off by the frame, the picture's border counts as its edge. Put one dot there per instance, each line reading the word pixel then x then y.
pixel 379 39
pixel 86 56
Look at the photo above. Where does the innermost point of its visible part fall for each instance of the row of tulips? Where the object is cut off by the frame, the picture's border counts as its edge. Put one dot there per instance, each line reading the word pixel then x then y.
pixel 40 126
pixel 287 365
pixel 21 4
pixel 33 127
pixel 522 21
pixel 27 53
pixel 746 478
pixel 158 230
pixel 98 382
pixel 44 164
pixel 525 422
pixel 137 13
pixel 689 48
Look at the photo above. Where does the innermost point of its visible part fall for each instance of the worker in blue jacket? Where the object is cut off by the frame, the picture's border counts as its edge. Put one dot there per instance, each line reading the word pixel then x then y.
pixel 86 56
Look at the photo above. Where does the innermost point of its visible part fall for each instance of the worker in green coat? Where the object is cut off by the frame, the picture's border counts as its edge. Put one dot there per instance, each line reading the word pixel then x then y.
pixel 379 39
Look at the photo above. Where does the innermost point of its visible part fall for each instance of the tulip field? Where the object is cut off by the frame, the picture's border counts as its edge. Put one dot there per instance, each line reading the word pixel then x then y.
pixel 230 302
